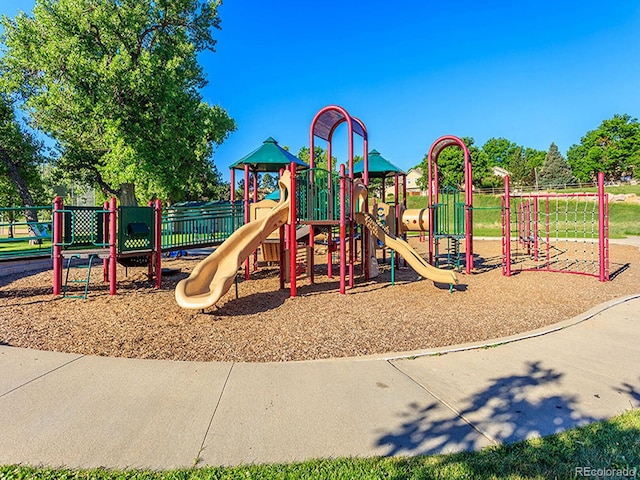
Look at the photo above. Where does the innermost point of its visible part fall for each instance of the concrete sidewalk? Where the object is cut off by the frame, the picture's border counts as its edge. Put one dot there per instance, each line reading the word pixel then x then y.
pixel 80 411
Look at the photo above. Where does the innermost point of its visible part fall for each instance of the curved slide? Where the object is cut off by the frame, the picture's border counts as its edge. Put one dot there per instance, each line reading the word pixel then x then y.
pixel 405 250
pixel 214 275
pixel 420 265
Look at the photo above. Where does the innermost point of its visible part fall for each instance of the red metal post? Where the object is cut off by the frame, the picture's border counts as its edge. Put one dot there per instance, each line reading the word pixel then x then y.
pixel 158 243
pixel 603 237
pixel 113 235
pixel 351 203
pixel 232 194
pixel 57 245
pixel 105 233
pixel 292 230
pixel 506 229
pixel 255 200
pixel 343 230
pixel 247 214
pixel 365 176
pixel 536 227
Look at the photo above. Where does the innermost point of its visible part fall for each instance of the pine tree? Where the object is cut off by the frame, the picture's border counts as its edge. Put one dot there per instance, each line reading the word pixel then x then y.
pixel 555 170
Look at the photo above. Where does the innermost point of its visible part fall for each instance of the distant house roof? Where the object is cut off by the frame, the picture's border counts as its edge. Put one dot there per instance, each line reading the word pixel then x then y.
pixel 499 171
pixel 268 157
pixel 378 166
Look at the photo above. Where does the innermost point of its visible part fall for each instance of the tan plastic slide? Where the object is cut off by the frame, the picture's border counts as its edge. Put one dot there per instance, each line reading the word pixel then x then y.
pixel 214 275
pixel 403 249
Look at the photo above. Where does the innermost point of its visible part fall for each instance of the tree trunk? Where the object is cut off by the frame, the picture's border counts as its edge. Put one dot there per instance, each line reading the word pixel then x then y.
pixel 127 195
pixel 23 191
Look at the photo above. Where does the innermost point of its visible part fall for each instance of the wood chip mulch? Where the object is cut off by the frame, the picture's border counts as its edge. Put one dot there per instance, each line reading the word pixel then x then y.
pixel 264 324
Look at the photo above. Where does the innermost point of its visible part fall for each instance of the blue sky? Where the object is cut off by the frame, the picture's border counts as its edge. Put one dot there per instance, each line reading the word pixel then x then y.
pixel 533 72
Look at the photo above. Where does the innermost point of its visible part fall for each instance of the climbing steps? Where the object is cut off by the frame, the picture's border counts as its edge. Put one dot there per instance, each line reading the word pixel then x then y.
pixel 84 281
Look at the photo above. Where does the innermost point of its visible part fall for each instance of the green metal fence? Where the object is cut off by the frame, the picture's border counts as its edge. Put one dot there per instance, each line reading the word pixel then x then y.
pixel 20 238
pixel 83 227
pixel 200 225
pixel 183 227
pixel 449 214
pixel 318 195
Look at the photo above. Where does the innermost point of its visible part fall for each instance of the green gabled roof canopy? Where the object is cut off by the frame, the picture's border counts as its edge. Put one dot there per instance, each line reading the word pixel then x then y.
pixel 378 166
pixel 269 157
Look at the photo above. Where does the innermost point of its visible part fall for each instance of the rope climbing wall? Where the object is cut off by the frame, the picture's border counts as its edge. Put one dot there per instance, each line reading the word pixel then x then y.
pixel 556 232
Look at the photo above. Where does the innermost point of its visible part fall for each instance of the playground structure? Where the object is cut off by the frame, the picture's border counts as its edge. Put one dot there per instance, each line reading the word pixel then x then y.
pixel 556 232
pixel 542 231
pixel 129 235
pixel 315 199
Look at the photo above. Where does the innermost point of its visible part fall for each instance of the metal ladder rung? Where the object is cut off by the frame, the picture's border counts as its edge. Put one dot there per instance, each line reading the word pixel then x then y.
pixel 85 281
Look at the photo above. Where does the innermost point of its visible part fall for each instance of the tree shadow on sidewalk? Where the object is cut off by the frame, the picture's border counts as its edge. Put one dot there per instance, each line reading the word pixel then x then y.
pixel 509 409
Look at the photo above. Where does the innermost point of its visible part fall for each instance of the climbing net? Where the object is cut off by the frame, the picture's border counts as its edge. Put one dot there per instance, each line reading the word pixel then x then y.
pixel 556 232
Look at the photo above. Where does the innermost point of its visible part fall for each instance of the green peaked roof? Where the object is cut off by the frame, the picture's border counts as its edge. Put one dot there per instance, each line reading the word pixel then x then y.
pixel 378 166
pixel 268 157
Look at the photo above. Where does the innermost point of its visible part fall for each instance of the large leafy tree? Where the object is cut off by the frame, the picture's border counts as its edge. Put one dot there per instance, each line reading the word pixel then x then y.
pixel 519 161
pixel 613 148
pixel 20 156
pixel 116 83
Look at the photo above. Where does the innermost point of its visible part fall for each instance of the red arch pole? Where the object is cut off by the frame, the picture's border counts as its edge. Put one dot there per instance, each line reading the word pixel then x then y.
pixel 327 135
pixel 351 206
pixel 330 206
pixel 468 206
pixel 292 230
pixel 434 152
pixel 343 229
pixel 603 230
pixel 158 243
pixel 430 204
pixel 57 245
pixel 113 254
pixel 246 214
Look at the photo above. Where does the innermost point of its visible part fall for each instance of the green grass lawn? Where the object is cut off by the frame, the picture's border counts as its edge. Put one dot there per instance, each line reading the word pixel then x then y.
pixel 612 444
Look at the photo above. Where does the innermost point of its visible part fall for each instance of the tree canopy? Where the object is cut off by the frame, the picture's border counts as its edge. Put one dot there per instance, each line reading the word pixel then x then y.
pixel 20 156
pixel 613 148
pixel 117 84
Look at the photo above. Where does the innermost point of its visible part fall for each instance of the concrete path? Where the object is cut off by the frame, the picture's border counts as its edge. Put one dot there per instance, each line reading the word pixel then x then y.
pixel 80 411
